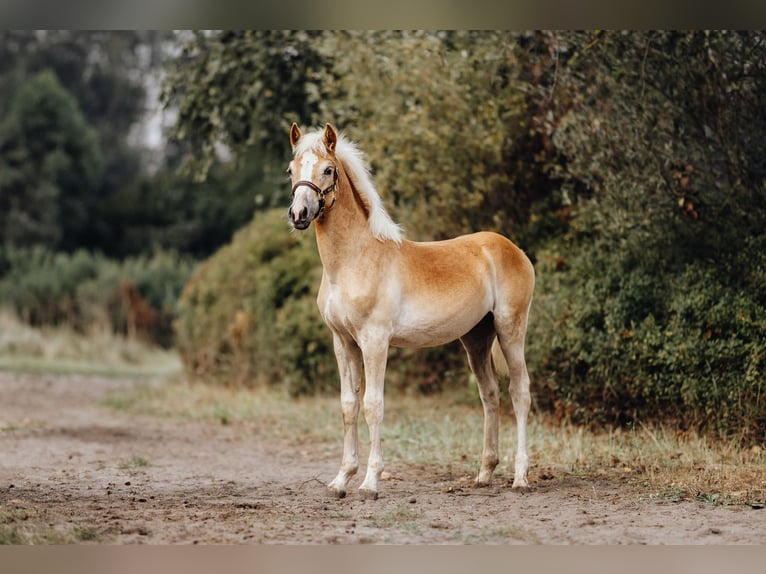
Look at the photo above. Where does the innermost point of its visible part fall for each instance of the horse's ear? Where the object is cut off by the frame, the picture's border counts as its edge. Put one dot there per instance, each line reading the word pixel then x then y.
pixel 330 138
pixel 295 135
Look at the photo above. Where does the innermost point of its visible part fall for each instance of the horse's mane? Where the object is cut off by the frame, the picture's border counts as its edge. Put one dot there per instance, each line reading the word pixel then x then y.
pixel 381 225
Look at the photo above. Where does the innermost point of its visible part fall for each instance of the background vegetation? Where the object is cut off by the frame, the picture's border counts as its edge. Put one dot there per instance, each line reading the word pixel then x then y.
pixel 98 229
pixel 628 165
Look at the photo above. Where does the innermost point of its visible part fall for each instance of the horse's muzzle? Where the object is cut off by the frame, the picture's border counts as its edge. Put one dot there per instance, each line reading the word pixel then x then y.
pixel 300 220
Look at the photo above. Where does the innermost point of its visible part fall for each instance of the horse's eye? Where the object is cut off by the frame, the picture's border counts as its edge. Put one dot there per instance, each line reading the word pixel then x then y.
pixel 290 171
pixel 328 170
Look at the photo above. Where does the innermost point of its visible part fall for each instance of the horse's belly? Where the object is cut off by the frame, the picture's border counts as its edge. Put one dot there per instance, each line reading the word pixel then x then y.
pixel 433 325
pixel 427 320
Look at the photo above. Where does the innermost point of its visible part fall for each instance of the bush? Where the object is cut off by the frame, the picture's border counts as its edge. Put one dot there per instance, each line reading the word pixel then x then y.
pixel 89 291
pixel 628 164
pixel 228 328
pixel 652 306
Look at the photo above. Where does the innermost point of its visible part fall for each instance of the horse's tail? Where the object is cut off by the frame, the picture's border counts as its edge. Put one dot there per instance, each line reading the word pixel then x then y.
pixel 498 360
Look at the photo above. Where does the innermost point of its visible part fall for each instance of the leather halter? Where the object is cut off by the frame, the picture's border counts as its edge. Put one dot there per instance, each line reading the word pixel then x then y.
pixel 321 193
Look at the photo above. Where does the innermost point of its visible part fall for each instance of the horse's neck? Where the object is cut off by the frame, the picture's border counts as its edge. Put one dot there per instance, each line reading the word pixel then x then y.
pixel 344 232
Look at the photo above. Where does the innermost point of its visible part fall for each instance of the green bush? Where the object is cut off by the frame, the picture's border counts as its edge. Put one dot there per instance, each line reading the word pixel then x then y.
pixel 630 165
pixel 88 291
pixel 652 306
pixel 233 307
pixel 615 342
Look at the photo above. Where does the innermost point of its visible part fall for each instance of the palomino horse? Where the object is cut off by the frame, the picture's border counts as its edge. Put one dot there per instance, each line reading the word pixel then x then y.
pixel 378 290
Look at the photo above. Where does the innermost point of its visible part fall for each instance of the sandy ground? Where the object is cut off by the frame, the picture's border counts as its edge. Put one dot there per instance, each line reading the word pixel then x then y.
pixel 69 464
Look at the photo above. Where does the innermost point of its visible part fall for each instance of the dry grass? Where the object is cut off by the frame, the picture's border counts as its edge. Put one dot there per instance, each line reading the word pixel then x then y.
pixel 19 525
pixel 443 431
pixel 63 350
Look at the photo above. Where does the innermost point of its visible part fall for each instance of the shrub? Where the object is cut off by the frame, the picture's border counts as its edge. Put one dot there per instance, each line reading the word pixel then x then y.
pixel 227 328
pixel 612 342
pixel 89 291
pixel 653 305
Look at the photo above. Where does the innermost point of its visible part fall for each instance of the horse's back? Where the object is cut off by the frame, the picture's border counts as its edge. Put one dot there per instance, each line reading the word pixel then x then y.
pixel 480 252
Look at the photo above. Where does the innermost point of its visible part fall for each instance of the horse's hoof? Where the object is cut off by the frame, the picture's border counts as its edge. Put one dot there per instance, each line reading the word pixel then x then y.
pixel 337 493
pixel 482 483
pixel 521 488
pixel 368 494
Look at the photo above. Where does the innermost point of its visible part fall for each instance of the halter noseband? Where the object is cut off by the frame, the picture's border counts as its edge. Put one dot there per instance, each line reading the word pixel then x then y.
pixel 321 193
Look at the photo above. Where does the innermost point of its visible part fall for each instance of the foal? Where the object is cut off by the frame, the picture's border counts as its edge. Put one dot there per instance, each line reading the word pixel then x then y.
pixel 380 290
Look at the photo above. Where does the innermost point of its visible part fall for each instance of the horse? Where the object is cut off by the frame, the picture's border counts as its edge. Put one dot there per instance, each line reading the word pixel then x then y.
pixel 379 290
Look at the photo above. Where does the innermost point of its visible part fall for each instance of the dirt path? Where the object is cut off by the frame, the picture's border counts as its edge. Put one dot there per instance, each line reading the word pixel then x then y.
pixel 71 466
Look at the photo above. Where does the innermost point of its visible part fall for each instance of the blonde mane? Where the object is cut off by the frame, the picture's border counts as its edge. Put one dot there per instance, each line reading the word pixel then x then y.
pixel 381 225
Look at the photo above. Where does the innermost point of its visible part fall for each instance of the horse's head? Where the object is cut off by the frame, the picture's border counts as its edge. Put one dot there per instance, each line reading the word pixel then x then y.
pixel 313 172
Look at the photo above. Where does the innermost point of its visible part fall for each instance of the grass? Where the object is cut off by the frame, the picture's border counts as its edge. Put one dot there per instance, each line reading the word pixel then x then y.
pixel 17 528
pixel 402 518
pixel 61 350
pixel 666 465
pixel 136 462
pixel 17 535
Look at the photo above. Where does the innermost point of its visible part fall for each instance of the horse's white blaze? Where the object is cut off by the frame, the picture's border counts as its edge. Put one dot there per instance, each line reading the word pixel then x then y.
pixel 305 200
pixel 308 161
pixel 379 290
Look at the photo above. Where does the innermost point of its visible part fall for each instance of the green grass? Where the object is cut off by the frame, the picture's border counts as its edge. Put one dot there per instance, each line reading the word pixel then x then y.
pixel 136 462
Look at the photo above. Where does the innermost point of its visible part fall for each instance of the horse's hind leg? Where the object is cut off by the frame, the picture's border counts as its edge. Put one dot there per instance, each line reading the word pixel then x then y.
pixel 512 344
pixel 478 346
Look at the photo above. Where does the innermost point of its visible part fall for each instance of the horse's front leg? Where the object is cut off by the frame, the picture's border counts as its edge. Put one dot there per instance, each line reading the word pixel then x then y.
pixel 349 358
pixel 375 356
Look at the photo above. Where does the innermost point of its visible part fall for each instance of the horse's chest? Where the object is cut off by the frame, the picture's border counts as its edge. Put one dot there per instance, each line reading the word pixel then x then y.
pixel 347 309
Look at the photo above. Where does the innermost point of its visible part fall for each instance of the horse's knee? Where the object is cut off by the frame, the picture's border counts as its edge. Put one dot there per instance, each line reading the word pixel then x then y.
pixel 373 409
pixel 350 408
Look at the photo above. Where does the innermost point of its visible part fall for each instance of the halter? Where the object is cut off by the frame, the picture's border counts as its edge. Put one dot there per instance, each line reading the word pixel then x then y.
pixel 321 193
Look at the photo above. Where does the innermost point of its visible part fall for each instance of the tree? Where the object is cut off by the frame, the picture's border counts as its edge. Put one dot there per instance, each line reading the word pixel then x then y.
pixel 454 135
pixel 470 151
pixel 50 166
pixel 167 210
pixel 242 89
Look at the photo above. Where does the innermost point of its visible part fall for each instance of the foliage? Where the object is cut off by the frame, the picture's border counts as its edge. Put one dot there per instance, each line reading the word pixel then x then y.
pixel 74 170
pixel 168 211
pixel 88 291
pixel 654 305
pixel 619 343
pixel 50 166
pixel 75 177
pixel 248 315
pixel 243 88
pixel 628 164
pixel 105 72
pixel 469 157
